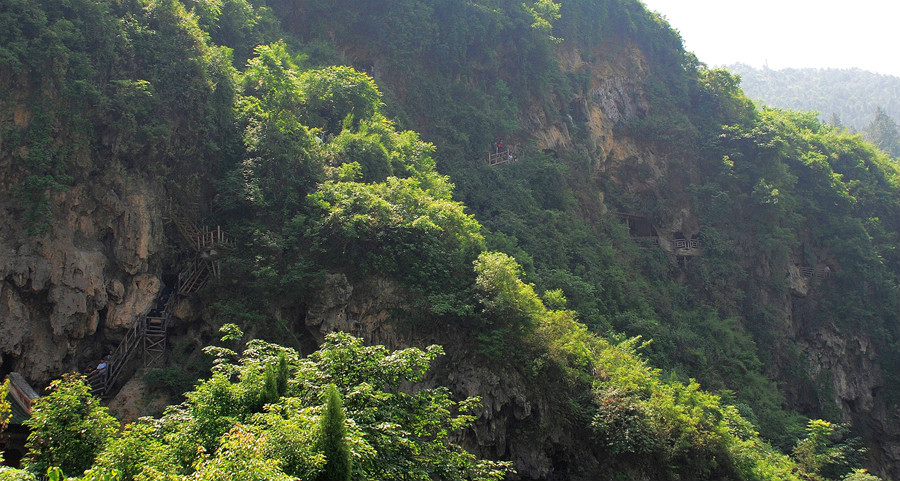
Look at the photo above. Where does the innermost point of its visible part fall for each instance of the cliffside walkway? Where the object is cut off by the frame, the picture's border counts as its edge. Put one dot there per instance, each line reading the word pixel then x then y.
pixel 686 244
pixel 206 245
pixel 503 156
pixel 815 272
pixel 149 333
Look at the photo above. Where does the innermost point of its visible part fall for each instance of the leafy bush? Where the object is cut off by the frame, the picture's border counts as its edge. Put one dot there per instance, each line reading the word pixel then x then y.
pixel 405 228
pixel 68 427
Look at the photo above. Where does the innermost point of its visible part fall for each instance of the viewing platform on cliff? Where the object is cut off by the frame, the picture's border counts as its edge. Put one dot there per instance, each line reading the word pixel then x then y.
pixel 503 155
pixel 686 244
pixel 208 242
pixel 818 272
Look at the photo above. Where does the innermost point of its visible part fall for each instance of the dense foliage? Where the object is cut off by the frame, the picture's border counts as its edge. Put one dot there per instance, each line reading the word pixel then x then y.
pixel 68 427
pixel 249 422
pixel 289 142
pixel 5 409
pixel 333 441
pixel 231 428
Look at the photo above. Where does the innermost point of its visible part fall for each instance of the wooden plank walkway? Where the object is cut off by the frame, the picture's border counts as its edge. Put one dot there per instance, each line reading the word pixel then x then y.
pixel 149 332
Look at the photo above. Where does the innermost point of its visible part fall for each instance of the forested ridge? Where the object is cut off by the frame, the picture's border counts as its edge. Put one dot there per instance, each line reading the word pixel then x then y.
pixel 748 331
pixel 851 98
pixel 852 94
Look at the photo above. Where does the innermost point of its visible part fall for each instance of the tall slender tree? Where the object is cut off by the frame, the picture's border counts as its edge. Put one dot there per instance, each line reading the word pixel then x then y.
pixel 282 374
pixel 884 133
pixel 333 440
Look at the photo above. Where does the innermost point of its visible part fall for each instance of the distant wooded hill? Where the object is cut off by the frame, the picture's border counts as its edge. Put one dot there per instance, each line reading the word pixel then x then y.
pixel 852 94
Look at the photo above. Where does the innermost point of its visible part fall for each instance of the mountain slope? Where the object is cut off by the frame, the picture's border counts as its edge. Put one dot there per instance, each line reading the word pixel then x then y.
pixel 342 220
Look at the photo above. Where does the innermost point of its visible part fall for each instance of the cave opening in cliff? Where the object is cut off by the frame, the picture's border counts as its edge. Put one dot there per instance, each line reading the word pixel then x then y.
pixel 7 365
pixel 639 226
pixel 169 277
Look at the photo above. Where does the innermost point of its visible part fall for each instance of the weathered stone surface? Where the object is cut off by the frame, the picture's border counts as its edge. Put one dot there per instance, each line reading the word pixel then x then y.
pixel 136 399
pixel 139 298
pixel 363 310
pixel 58 288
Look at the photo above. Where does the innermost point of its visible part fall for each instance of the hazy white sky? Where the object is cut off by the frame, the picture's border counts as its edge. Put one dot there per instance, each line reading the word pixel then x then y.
pixel 789 33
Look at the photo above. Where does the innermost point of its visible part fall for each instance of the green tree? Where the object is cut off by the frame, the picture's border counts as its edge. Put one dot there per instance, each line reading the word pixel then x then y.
pixel 334 94
pixel 823 454
pixel 506 298
pixel 68 427
pixel 333 439
pixel 242 456
pixel 883 132
pixel 835 121
pixel 222 433
pixel 282 374
pixel 860 475
pixel 270 387
pixel 5 407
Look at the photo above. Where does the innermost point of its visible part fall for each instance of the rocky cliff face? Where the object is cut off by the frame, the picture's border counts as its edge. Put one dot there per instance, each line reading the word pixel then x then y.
pixel 66 294
pixel 842 362
pixel 845 362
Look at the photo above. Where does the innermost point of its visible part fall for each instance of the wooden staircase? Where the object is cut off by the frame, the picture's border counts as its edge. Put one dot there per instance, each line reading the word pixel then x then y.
pixel 205 244
pixel 193 277
pixel 148 334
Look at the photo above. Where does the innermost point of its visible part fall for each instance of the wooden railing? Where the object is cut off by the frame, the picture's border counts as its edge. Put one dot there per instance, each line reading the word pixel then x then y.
pixel 206 244
pixel 150 332
pixel 208 239
pixel 815 272
pixel 155 327
pixel 185 226
pixel 193 277
pixel 102 379
pixel 687 244
pixel 503 156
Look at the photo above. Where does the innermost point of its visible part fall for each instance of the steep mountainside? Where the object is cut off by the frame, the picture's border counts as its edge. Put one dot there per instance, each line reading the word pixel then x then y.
pixel 644 195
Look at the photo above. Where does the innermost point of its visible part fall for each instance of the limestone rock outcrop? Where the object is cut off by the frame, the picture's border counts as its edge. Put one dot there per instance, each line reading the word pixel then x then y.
pixel 66 294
